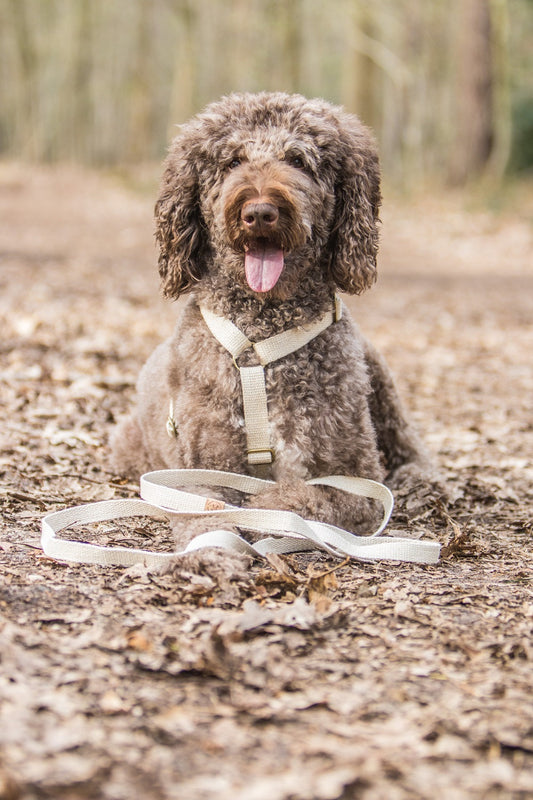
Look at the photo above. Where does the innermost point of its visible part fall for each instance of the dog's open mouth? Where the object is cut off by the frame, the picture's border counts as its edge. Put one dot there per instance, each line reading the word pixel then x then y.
pixel 263 264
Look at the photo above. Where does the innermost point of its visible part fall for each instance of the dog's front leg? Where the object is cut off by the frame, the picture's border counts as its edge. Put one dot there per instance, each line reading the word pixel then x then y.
pixel 212 565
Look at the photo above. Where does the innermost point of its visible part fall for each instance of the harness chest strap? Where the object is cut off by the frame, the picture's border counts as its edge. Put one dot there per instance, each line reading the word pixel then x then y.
pixel 253 384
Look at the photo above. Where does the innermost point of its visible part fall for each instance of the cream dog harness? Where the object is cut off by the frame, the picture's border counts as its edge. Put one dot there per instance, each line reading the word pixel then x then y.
pixel 258 444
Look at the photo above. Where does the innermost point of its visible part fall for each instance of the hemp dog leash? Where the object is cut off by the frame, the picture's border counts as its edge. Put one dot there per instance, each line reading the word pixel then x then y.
pixel 287 532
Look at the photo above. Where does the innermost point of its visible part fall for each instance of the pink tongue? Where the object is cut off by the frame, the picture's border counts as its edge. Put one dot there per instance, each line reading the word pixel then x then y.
pixel 263 268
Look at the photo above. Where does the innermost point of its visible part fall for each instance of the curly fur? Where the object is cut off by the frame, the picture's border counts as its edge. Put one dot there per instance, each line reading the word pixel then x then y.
pixel 333 408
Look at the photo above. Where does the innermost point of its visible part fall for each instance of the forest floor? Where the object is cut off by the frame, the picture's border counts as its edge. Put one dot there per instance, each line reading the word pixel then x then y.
pixel 379 681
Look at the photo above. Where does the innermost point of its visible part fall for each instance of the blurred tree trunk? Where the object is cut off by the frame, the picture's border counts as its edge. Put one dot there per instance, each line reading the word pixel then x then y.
pixel 141 123
pixel 501 150
pixel 182 96
pixel 294 43
pixel 27 56
pixel 365 69
pixel 474 130
pixel 82 128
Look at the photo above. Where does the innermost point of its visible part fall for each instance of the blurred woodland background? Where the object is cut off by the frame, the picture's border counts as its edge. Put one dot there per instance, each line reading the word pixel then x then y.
pixel 447 85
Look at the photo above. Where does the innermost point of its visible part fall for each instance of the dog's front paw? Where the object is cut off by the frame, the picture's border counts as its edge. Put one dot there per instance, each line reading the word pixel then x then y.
pixel 217 563
pixel 294 495
pixel 321 503
pixel 211 574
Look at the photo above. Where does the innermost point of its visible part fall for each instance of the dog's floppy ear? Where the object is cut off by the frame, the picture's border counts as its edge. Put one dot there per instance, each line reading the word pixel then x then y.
pixel 180 230
pixel 353 243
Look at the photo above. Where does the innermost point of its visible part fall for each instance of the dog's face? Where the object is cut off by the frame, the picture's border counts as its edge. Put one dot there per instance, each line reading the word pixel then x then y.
pixel 266 188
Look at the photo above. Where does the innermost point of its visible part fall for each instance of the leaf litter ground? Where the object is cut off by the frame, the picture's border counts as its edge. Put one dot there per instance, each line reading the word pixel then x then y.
pixel 305 678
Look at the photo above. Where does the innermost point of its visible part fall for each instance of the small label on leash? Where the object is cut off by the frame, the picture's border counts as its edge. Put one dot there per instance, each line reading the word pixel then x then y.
pixel 214 505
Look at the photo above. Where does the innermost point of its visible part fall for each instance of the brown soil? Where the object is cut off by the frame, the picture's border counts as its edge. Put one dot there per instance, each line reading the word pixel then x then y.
pixel 306 679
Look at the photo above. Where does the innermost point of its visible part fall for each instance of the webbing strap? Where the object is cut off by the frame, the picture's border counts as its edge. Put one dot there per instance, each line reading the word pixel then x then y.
pixel 226 333
pixel 287 531
pixel 254 398
pixel 273 348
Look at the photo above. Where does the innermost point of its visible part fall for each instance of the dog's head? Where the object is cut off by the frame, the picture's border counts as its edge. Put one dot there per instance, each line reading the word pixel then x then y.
pixel 266 186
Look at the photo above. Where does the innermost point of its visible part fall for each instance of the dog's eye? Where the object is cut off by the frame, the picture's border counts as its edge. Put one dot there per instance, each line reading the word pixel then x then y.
pixel 235 162
pixel 297 162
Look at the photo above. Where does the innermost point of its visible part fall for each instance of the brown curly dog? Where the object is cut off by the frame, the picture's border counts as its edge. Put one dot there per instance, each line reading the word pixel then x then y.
pixel 268 206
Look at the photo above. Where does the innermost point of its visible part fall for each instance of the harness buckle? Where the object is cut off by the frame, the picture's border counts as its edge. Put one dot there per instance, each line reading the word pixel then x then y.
pixel 263 455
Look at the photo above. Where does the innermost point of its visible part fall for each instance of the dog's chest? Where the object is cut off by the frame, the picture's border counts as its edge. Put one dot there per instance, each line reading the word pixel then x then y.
pixel 308 410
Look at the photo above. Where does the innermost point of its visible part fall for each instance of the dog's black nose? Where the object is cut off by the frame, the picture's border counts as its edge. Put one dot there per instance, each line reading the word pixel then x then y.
pixel 259 217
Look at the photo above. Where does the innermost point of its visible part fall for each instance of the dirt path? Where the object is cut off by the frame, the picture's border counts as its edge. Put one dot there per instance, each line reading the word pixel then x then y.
pixel 376 681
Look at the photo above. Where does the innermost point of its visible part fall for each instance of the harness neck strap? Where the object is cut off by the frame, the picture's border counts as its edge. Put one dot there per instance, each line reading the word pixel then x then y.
pixel 258 444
